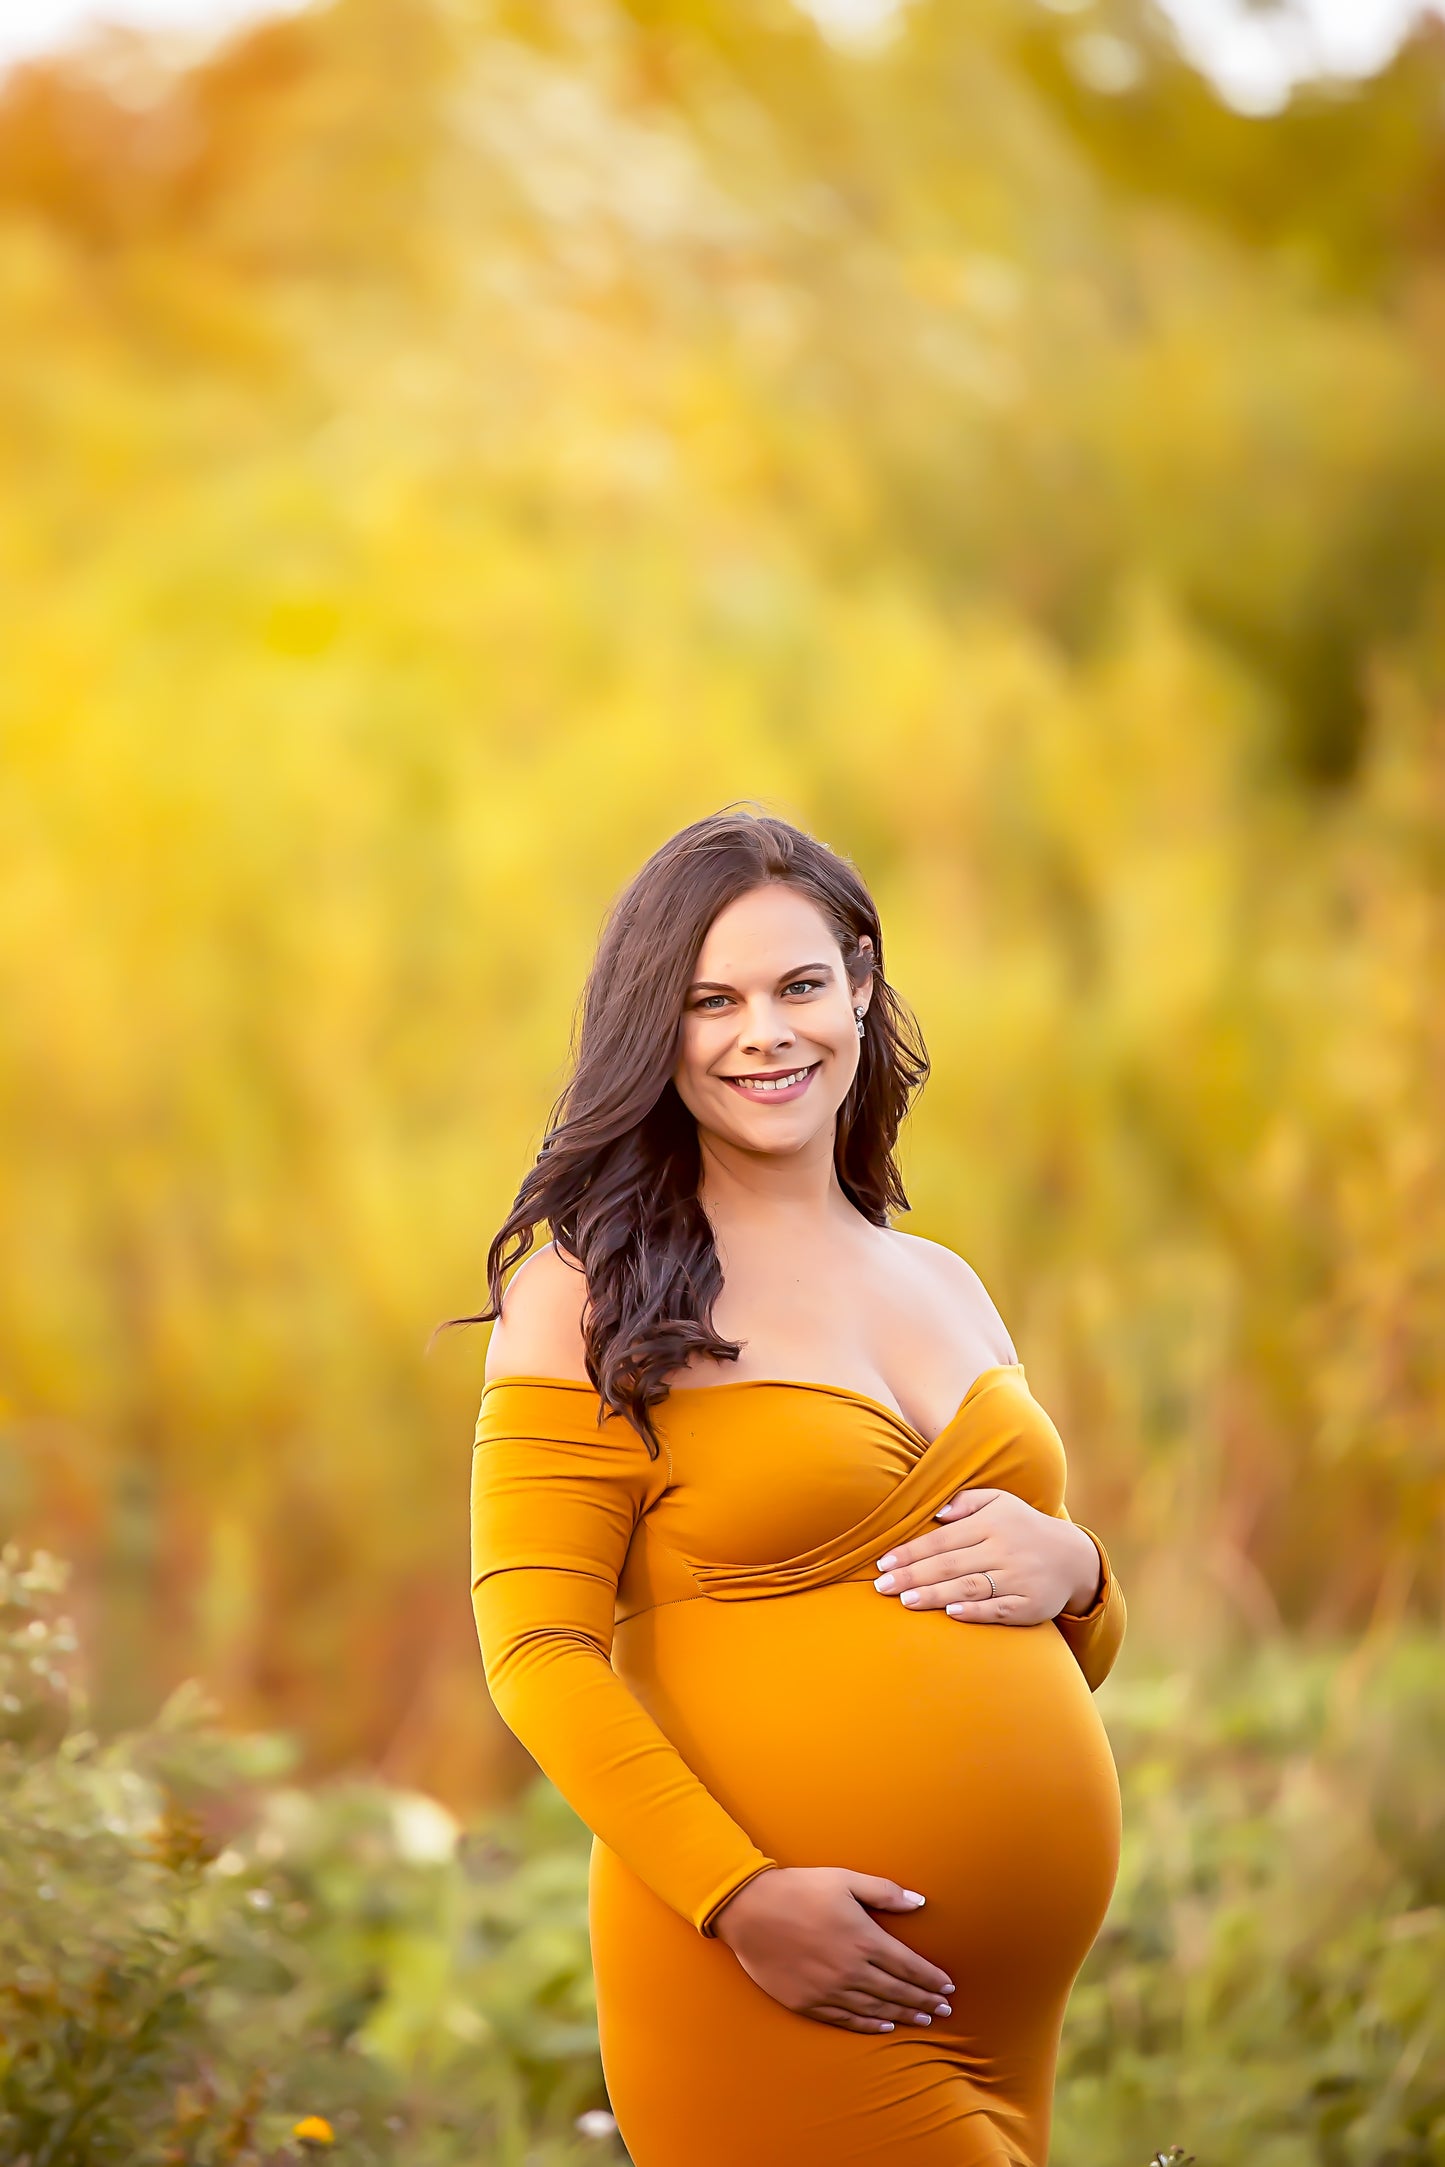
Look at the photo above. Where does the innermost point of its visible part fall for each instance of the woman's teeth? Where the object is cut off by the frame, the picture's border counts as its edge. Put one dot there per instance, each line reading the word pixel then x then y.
pixel 769 1083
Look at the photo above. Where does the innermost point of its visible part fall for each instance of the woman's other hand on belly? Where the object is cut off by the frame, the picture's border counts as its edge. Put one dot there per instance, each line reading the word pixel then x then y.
pixel 803 1934
pixel 996 1561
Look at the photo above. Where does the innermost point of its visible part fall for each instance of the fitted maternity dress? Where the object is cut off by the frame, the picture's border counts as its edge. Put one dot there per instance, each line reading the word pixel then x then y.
pixel 692 1648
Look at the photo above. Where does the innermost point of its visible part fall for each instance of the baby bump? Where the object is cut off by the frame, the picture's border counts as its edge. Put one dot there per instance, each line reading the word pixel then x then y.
pixel 965 1761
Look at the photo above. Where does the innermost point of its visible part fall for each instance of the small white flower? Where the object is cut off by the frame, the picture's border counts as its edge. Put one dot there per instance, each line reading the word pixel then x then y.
pixel 424 1833
pixel 596 2122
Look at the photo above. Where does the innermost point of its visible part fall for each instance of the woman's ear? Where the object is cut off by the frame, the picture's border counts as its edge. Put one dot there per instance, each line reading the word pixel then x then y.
pixel 862 996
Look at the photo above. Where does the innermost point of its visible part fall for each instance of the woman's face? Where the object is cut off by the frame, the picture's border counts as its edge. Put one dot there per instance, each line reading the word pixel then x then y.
pixel 769 1037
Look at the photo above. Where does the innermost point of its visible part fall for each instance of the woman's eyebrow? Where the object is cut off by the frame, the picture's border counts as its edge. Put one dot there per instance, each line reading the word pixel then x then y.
pixel 718 985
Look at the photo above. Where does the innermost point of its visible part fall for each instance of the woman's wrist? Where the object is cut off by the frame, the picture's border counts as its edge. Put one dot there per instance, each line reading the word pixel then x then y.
pixel 724 1908
pixel 1090 1580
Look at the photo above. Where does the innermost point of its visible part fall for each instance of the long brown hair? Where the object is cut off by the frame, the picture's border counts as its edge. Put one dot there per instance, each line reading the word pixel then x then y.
pixel 617 1177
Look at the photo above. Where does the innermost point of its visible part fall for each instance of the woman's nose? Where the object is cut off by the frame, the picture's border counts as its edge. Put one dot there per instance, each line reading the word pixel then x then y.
pixel 764 1028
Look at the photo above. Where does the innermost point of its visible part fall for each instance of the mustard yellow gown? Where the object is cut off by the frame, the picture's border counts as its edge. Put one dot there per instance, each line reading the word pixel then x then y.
pixel 692 1648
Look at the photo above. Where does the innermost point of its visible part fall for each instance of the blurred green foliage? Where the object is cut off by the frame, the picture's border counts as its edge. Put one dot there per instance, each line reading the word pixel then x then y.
pixel 1268 1982
pixel 194 1955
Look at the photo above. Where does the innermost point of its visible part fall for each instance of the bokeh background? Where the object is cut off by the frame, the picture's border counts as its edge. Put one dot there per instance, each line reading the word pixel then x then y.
pixel 449 444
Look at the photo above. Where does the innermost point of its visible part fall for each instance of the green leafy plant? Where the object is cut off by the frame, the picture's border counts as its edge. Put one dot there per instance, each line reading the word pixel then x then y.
pixel 345 1970
pixel 1268 1980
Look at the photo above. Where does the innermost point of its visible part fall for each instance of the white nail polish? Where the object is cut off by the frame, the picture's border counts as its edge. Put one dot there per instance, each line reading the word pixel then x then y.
pixel 913 1896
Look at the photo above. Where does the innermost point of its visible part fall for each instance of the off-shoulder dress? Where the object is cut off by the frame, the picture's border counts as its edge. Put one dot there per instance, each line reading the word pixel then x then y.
pixel 691 1647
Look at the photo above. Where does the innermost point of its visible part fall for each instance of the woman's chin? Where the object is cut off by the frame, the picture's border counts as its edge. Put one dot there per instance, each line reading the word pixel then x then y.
pixel 780 1132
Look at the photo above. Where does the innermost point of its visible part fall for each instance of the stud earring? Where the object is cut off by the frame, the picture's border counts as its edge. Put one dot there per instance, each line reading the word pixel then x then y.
pixel 859 1014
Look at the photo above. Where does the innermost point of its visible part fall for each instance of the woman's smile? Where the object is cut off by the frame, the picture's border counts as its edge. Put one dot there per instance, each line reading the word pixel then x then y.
pixel 775 1084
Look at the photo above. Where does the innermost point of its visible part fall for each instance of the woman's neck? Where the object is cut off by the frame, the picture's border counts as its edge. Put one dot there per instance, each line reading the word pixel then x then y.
pixel 751 1187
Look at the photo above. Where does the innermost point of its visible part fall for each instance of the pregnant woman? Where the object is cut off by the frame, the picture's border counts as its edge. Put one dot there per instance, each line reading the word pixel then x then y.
pixel 771 1567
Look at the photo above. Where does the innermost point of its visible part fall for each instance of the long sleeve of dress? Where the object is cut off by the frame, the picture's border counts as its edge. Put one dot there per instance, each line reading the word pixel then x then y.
pixel 1095 1636
pixel 554 1501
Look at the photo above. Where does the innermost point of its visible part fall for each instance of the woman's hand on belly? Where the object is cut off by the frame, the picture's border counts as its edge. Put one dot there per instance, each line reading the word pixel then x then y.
pixel 803 1935
pixel 1038 1566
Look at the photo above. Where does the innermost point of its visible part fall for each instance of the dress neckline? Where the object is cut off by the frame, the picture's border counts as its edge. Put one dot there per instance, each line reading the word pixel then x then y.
pixel 994 1371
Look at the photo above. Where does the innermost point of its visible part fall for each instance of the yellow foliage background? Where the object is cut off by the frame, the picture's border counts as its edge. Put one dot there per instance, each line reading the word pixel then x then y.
pixel 446 446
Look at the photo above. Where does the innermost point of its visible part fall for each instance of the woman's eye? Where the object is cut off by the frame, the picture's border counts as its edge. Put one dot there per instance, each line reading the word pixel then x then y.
pixel 709 1003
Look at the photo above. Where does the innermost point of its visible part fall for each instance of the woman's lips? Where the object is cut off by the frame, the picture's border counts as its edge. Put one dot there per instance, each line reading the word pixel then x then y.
pixel 775 1089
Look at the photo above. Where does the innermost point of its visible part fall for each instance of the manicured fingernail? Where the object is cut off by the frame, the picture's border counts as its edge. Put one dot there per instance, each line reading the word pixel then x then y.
pixel 921 2016
pixel 891 1559
pixel 943 1512
pixel 909 1595
pixel 943 2010
pixel 884 1584
pixel 885 2027
pixel 948 1986
pixel 955 1610
pixel 913 1896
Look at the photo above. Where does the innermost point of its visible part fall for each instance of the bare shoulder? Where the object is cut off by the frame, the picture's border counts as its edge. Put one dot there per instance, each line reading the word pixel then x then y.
pixel 939 1274
pixel 539 1333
